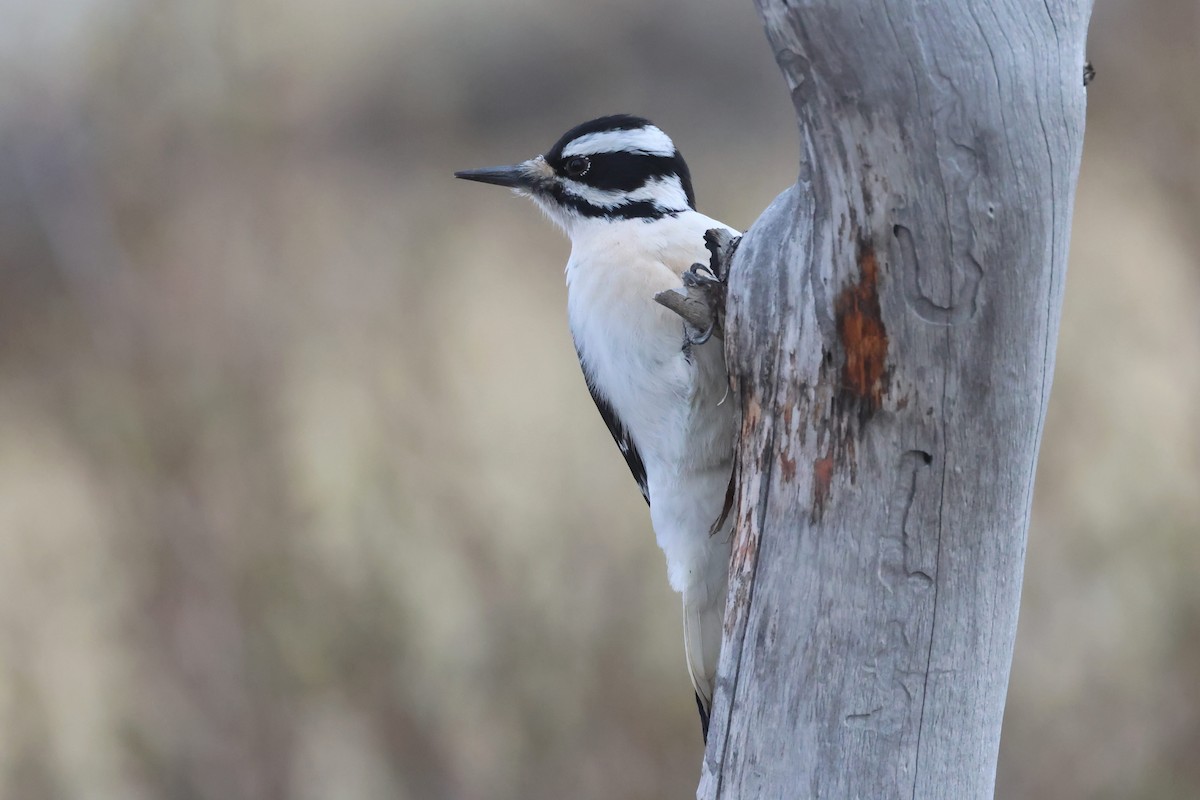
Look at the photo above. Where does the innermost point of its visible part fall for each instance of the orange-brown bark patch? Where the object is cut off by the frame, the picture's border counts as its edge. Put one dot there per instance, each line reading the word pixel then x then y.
pixel 787 466
pixel 863 335
pixel 822 481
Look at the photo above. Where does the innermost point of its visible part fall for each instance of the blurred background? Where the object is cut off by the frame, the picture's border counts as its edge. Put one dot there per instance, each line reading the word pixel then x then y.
pixel 302 495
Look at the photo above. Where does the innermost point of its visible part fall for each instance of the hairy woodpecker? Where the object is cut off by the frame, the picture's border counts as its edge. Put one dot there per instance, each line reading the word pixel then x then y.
pixel 621 191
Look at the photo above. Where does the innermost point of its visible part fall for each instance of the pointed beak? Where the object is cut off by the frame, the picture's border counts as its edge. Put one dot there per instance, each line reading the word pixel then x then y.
pixel 516 176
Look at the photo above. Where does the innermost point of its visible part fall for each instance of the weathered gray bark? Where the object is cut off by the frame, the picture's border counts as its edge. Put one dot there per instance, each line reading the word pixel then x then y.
pixel 891 328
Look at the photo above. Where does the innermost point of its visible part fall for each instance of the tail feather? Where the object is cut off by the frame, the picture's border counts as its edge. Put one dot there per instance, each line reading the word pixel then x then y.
pixel 702 614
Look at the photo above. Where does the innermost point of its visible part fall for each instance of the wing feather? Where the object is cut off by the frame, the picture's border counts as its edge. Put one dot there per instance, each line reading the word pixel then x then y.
pixel 618 430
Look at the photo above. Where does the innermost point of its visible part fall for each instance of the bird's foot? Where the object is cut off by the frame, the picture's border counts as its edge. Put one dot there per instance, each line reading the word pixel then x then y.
pixel 701 302
pixel 703 286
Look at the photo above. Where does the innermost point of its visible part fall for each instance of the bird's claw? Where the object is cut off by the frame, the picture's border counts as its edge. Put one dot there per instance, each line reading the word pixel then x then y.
pixel 701 276
pixel 695 340
pixel 702 283
pixel 708 282
pixel 701 301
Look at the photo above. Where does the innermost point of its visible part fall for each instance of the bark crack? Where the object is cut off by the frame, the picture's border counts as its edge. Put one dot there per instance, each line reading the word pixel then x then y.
pixel 937 562
pixel 764 497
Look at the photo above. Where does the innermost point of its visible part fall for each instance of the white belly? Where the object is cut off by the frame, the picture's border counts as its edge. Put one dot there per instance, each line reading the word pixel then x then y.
pixel 673 403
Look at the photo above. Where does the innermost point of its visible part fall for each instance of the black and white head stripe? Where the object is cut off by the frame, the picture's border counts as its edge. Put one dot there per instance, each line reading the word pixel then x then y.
pixel 619 166
pixel 647 141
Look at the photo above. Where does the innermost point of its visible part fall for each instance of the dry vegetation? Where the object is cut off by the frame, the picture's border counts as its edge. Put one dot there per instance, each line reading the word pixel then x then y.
pixel 301 494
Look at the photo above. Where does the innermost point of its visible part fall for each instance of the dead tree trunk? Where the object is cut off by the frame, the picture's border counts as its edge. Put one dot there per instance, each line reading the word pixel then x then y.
pixel 891 328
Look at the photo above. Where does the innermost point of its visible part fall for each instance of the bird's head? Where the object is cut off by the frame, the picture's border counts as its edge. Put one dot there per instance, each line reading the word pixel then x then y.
pixel 612 168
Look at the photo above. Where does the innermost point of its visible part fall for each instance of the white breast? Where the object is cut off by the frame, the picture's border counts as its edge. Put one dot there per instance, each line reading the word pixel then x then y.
pixel 669 401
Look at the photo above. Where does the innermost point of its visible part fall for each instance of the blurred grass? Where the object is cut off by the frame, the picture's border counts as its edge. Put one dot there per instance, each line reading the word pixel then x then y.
pixel 301 494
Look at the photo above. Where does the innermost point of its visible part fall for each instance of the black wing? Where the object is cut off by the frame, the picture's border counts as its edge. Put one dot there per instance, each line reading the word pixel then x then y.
pixel 619 433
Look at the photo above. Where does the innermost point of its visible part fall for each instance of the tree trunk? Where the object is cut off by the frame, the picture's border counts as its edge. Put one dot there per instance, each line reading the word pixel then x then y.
pixel 891 327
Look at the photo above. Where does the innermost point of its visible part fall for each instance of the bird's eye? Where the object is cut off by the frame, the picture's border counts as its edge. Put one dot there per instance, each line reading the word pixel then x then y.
pixel 577 166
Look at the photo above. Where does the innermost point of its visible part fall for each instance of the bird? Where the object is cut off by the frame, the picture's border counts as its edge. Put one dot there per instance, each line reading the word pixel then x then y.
pixel 622 192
